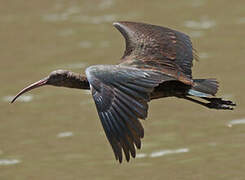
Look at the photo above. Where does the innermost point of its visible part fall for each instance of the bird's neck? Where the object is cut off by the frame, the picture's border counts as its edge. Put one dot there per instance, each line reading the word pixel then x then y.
pixel 75 80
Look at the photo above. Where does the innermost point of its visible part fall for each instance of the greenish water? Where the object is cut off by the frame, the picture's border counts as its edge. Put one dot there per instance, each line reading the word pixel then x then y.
pixel 54 133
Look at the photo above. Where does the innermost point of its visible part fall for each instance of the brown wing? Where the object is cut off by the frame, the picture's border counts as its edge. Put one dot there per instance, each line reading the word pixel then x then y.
pixel 158 47
pixel 121 95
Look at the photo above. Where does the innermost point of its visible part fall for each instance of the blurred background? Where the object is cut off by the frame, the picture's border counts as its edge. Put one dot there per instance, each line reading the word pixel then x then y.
pixel 55 133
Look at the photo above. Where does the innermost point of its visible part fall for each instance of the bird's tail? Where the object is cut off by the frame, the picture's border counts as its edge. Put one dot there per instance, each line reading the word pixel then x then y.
pixel 204 87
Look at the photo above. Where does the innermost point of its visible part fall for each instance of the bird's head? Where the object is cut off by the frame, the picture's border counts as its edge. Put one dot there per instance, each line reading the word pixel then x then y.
pixel 55 78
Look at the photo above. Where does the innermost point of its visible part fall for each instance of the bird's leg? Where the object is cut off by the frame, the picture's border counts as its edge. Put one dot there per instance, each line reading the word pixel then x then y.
pixel 220 102
pixel 214 103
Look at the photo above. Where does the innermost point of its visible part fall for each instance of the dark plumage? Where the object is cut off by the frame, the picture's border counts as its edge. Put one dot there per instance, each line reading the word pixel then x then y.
pixel 156 63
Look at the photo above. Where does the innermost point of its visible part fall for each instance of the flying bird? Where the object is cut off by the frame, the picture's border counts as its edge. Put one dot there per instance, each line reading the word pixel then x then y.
pixel 156 64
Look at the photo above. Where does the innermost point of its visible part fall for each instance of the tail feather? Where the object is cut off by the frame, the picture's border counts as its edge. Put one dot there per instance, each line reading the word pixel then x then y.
pixel 204 87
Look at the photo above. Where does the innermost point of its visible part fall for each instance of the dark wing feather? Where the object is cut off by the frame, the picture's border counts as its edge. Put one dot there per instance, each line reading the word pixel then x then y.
pixel 121 95
pixel 159 47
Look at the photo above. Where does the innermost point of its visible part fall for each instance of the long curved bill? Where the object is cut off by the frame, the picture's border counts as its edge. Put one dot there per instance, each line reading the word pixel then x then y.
pixel 37 84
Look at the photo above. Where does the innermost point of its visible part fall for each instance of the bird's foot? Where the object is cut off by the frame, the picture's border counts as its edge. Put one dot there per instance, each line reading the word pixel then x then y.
pixel 219 103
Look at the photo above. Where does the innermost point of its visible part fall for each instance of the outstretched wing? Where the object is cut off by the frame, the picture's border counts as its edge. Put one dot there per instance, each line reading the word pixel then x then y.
pixel 159 47
pixel 121 95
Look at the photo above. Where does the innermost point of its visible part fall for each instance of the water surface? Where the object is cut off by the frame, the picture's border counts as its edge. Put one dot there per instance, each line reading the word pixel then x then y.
pixel 54 133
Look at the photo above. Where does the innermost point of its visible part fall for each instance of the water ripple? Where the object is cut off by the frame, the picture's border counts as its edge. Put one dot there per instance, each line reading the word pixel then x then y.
pixel 202 24
pixel 166 152
pixel 65 134
pixel 105 4
pixel 236 121
pixel 141 155
pixel 22 98
pixel 6 162
pixel 162 153
pixel 65 15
